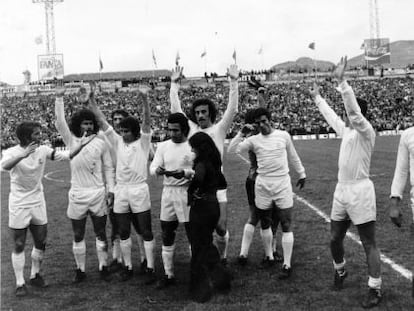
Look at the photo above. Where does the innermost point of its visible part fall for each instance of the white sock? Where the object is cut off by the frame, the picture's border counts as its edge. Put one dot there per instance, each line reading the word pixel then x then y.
pixel 287 245
pixel 374 283
pixel 102 252
pixel 79 252
pixel 149 253
pixel 116 251
pixel 247 239
pixel 37 257
pixel 18 261
pixel 222 244
pixel 339 266
pixel 141 247
pixel 167 254
pixel 267 242
pixel 126 246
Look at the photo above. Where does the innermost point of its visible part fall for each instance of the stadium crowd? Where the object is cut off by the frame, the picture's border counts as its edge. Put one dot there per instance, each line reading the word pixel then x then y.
pixel 390 99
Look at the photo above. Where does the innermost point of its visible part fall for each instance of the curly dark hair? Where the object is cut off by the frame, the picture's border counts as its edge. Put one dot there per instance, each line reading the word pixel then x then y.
pixel 211 109
pixel 25 130
pixel 206 149
pixel 258 112
pixel 80 116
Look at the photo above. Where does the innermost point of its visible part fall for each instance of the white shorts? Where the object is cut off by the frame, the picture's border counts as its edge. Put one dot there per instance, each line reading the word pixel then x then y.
pixel 277 190
pixel 174 204
pixel 22 217
pixel 84 201
pixel 222 196
pixel 355 201
pixel 132 198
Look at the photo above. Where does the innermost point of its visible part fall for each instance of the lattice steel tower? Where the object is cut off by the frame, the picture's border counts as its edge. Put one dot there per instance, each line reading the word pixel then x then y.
pixel 50 25
pixel 374 25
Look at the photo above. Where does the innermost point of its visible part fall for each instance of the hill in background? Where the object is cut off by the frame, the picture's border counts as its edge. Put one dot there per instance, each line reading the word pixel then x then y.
pixel 402 55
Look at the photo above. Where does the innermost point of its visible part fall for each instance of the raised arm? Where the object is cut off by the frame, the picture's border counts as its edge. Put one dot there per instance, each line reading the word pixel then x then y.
pixel 60 123
pixel 176 76
pixel 103 123
pixel 232 107
pixel 146 119
pixel 246 131
pixel 330 116
pixel 353 111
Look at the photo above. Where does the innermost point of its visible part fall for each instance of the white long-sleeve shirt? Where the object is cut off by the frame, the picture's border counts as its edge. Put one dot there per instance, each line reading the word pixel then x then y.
pixel 272 152
pixel 93 163
pixel 405 163
pixel 26 176
pixel 173 156
pixel 131 158
pixel 218 130
pixel 357 141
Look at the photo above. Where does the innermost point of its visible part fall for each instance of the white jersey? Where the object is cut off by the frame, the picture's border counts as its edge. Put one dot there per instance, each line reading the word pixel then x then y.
pixel 218 130
pixel 92 167
pixel 26 176
pixel 357 142
pixel 173 156
pixel 272 152
pixel 405 164
pixel 131 158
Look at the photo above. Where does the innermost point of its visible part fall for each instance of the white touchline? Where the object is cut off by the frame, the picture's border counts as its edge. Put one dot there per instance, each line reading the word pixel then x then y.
pixel 47 176
pixel 400 269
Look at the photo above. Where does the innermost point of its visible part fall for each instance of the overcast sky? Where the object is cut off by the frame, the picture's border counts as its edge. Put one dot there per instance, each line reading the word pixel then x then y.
pixel 124 32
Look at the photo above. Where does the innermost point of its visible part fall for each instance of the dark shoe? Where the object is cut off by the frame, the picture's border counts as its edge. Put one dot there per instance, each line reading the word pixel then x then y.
pixel 38 281
pixel 150 276
pixel 203 290
pixel 372 299
pixel 115 266
pixel 21 291
pixel 143 267
pixel 166 282
pixel 339 279
pixel 126 274
pixel 277 256
pixel 285 273
pixel 105 274
pixel 267 263
pixel 242 260
pixel 80 276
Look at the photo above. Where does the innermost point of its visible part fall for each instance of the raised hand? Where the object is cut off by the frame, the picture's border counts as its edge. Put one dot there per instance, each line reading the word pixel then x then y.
pixel 83 95
pixel 177 74
pixel 233 72
pixel 247 129
pixel 339 70
pixel 314 91
pixel 60 90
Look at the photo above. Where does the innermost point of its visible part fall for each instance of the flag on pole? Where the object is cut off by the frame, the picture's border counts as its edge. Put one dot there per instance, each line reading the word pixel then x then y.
pixel 204 53
pixel 234 56
pixel 260 52
pixel 154 59
pixel 177 58
pixel 311 45
pixel 39 40
pixel 100 63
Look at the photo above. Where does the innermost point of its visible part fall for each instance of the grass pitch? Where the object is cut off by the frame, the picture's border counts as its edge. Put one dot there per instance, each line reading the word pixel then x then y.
pixel 309 288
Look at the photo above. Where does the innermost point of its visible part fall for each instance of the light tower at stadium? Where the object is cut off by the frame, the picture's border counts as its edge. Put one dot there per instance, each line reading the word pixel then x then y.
pixel 50 24
pixel 374 24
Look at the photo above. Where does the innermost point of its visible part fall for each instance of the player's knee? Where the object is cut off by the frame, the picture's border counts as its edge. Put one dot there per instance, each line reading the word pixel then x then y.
pixel 78 235
pixel 19 246
pixel 221 231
